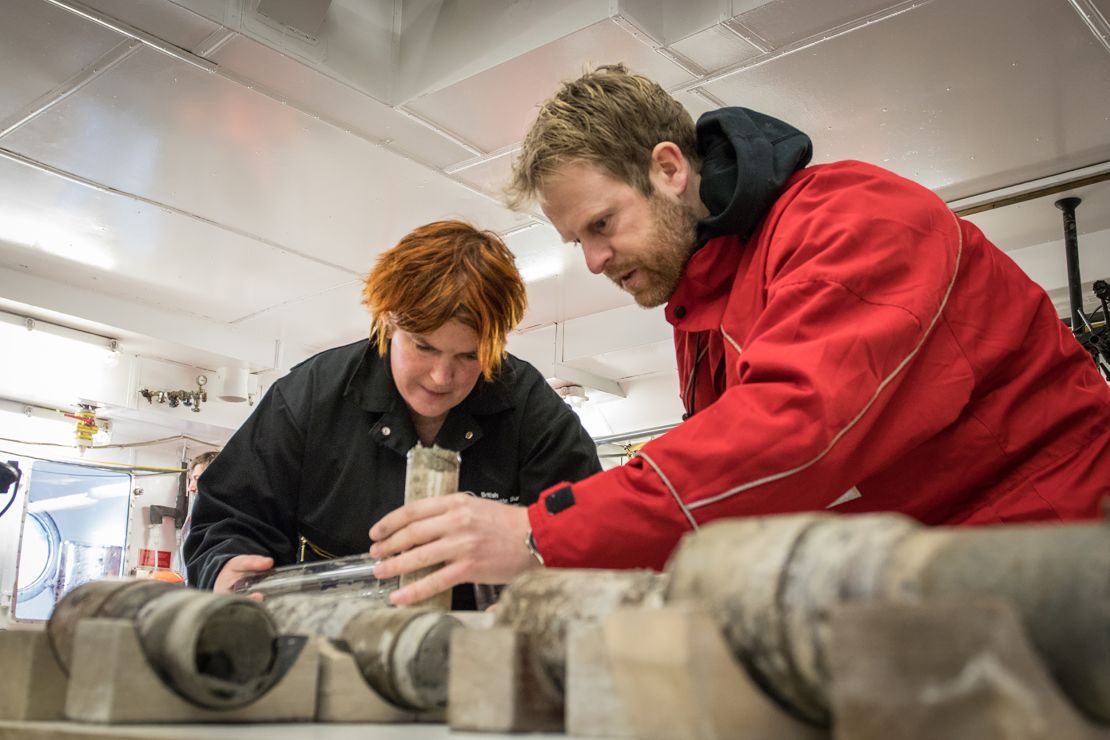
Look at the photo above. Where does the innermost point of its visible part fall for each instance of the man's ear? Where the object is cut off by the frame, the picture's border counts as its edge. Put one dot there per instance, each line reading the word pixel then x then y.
pixel 670 170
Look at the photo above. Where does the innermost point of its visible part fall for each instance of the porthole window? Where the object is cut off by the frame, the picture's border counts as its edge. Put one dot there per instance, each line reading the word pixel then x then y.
pixel 38 555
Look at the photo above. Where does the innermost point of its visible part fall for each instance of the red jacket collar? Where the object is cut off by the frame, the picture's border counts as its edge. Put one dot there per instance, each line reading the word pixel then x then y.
pixel 699 299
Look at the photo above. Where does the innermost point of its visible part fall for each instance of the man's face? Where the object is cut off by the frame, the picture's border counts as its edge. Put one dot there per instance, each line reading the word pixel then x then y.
pixel 434 372
pixel 640 243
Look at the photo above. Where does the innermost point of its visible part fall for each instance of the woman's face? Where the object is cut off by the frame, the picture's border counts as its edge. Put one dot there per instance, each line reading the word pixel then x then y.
pixel 194 474
pixel 434 372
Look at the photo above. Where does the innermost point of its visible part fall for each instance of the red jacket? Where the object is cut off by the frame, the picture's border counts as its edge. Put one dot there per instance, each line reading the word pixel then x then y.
pixel 865 350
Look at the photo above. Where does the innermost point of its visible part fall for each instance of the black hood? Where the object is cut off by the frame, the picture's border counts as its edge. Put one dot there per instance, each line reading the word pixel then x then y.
pixel 747 158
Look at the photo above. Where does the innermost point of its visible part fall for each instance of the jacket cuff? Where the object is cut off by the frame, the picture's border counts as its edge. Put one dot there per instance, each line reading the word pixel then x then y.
pixel 622 518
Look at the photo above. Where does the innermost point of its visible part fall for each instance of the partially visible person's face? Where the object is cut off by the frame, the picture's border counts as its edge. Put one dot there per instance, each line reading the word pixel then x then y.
pixel 194 474
pixel 434 372
pixel 640 243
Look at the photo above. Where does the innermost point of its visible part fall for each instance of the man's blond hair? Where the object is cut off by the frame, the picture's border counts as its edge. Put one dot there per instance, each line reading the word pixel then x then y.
pixel 607 117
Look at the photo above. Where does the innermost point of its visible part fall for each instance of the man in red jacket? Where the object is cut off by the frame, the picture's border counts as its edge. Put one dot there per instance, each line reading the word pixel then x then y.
pixel 844 341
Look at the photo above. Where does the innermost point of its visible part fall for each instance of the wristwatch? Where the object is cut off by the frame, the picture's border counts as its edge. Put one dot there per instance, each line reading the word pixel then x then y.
pixel 530 543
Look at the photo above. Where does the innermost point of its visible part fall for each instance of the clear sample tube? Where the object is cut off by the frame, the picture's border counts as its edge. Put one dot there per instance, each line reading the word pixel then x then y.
pixel 352 575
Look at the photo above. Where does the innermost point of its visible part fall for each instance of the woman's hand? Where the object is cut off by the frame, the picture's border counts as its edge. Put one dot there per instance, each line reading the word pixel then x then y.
pixel 477 540
pixel 237 567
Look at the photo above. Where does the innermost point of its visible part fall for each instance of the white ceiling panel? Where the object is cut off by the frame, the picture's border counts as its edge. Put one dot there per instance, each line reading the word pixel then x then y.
pixel 668 22
pixel 962 97
pixel 335 101
pixel 695 103
pixel 490 174
pixel 355 42
pixel 715 48
pixel 537 346
pixel 625 364
pixel 198 339
pixel 560 287
pixel 442 42
pixel 328 319
pixel 628 327
pixel 163 19
pixel 781 22
pixel 201 143
pixel 50 226
pixel 493 109
pixel 45 48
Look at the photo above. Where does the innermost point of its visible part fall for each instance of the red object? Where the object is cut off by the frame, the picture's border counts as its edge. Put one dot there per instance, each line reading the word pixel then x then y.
pixel 154 558
pixel 864 351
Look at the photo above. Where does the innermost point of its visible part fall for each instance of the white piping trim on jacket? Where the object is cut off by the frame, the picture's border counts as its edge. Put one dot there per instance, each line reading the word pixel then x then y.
pixel 731 340
pixel 886 381
pixel 667 483
pixel 850 495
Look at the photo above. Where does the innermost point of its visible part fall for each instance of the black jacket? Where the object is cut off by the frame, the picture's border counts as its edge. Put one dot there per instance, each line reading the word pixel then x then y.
pixel 323 457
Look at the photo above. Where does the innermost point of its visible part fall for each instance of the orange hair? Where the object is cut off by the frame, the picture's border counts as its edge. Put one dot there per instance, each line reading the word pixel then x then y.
pixel 447 270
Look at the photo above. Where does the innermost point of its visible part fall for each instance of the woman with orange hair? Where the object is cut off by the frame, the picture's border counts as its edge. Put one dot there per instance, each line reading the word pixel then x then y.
pixel 322 458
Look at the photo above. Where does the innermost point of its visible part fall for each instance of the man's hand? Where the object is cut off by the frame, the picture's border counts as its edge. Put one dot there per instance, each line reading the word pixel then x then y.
pixel 237 567
pixel 477 540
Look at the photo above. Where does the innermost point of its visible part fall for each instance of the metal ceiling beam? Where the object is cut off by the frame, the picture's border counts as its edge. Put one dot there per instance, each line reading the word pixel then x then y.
pixel 1031 190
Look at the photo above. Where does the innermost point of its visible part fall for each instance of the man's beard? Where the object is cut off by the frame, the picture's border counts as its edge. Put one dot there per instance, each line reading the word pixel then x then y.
pixel 674 229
